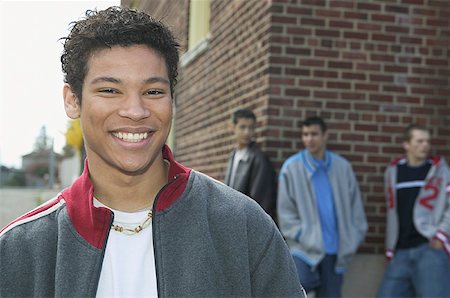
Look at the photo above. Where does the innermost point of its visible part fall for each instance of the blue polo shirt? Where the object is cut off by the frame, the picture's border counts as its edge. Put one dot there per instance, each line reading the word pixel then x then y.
pixel 325 201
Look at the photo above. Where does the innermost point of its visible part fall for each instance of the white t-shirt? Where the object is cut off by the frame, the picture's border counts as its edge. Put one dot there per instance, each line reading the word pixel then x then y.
pixel 129 264
pixel 239 155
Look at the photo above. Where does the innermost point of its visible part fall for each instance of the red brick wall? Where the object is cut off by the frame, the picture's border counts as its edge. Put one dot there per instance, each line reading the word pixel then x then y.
pixel 368 68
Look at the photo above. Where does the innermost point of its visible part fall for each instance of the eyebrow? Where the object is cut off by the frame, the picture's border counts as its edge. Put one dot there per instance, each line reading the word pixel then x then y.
pixel 118 81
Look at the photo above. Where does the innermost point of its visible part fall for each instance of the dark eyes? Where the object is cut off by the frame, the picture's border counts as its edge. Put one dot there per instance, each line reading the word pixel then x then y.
pixel 154 92
pixel 109 90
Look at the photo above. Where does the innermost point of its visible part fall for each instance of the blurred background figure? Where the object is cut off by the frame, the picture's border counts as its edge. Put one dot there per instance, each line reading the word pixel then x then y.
pixel 418 221
pixel 249 170
pixel 320 211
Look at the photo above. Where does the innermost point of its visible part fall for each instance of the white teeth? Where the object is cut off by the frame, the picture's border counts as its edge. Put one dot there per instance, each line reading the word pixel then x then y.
pixel 131 137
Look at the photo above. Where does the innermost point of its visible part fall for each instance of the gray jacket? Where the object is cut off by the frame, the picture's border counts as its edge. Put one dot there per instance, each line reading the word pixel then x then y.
pixel 431 214
pixel 298 215
pixel 209 241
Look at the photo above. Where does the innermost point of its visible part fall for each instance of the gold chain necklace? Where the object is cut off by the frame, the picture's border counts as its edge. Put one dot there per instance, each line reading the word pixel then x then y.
pixel 128 231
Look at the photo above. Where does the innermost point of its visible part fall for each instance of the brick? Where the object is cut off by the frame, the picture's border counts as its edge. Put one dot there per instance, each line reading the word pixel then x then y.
pixel 352 137
pixel 341 24
pixel 356 35
pixel 312 62
pixel 326 53
pixel 366 127
pixel 312 22
pixel 355 15
pixel 284 20
pixel 327 33
pixel 383 18
pixel 337 105
pixel 394 108
pixel 297 71
pixel 354 76
pixel 366 87
pixel 383 37
pixel 325 74
pixel 381 78
pixel 415 2
pixel 369 27
pixel 394 88
pixel 381 97
pixel 342 4
pixel 299 10
pixel 382 57
pixel 298 51
pixel 338 85
pixel 327 13
pixel 325 94
pixel 340 65
pixel 297 92
pixel 397 9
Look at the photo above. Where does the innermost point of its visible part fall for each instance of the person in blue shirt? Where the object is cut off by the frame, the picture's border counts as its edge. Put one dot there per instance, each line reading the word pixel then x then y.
pixel 320 211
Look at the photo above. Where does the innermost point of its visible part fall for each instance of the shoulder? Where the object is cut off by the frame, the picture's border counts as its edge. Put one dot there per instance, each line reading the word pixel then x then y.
pixel 339 160
pixel 34 217
pixel 224 204
pixel 293 161
pixel 32 230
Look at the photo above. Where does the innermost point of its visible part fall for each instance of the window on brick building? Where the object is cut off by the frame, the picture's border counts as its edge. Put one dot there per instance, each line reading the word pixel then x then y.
pixel 199 16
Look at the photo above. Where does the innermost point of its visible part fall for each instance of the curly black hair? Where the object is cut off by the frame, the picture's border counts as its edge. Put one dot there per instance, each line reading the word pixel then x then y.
pixel 115 26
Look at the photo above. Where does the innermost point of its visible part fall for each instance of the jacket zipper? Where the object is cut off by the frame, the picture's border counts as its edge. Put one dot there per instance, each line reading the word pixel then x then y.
pixel 158 284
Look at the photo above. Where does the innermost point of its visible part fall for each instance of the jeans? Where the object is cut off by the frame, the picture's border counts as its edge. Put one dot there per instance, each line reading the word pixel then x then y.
pixel 322 279
pixel 420 271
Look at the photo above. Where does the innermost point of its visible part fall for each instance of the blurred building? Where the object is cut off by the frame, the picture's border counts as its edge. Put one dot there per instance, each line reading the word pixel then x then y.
pixel 37 168
pixel 368 67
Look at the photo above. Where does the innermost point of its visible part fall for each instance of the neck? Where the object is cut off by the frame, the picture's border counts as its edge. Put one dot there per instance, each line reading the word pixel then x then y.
pixel 241 146
pixel 125 192
pixel 412 161
pixel 319 155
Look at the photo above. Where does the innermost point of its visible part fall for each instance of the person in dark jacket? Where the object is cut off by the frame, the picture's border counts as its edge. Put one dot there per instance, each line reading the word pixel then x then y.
pixel 137 223
pixel 249 170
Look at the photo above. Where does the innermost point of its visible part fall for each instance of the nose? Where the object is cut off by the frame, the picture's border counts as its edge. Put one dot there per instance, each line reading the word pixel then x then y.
pixel 133 107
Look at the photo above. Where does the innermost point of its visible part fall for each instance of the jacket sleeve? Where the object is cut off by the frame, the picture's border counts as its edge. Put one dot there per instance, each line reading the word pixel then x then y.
pixel 288 217
pixel 443 233
pixel 272 269
pixel 263 184
pixel 359 216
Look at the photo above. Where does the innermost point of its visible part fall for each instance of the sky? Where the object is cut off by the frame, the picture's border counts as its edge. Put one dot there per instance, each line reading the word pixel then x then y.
pixel 31 79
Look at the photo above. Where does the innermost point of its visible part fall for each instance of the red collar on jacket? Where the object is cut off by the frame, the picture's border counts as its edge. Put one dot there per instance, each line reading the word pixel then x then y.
pixel 93 223
pixel 434 160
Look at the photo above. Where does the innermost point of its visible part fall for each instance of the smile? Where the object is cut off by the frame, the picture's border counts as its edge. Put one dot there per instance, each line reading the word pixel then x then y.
pixel 131 137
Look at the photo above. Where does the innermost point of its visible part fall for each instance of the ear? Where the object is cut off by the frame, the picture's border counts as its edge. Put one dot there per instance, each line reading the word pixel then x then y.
pixel 71 102
pixel 405 145
pixel 231 126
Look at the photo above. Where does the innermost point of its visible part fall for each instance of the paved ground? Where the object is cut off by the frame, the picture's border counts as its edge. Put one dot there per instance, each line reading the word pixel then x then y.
pixel 15 202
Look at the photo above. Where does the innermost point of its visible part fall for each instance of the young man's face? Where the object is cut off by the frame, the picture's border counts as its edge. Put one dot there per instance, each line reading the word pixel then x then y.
pixel 126 108
pixel 314 140
pixel 418 147
pixel 243 131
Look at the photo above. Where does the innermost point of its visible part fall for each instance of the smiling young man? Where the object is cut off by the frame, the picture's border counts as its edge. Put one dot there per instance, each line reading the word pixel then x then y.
pixel 320 211
pixel 248 169
pixel 137 223
pixel 418 221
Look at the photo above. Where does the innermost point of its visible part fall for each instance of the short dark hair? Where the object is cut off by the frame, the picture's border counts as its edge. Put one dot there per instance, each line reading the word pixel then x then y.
pixel 407 133
pixel 115 26
pixel 315 120
pixel 243 113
